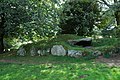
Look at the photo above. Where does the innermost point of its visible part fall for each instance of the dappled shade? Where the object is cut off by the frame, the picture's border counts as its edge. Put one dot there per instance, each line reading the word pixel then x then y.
pixel 84 42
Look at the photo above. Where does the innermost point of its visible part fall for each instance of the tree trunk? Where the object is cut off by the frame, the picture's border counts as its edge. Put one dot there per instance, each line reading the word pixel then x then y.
pixel 117 16
pixel 1 43
pixel 2 21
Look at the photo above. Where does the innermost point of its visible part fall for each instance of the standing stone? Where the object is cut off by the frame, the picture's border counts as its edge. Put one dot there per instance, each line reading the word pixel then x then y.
pixel 39 52
pixel 48 50
pixel 58 50
pixel 42 52
pixel 74 53
pixel 32 51
pixel 21 51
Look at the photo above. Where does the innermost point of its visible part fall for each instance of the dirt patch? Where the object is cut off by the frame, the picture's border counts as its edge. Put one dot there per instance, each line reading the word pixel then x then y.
pixel 10 61
pixel 113 61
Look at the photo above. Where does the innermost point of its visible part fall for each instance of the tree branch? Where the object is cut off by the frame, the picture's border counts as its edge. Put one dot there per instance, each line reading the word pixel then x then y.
pixel 115 1
pixel 106 3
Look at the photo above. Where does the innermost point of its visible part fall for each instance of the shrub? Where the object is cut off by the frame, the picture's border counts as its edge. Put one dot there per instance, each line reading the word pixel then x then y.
pixel 79 16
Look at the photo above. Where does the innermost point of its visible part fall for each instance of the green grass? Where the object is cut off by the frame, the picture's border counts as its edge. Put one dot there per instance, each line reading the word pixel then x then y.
pixel 63 71
pixel 57 40
pixel 58 68
pixel 106 42
pixel 63 40
pixel 55 68
pixel 105 45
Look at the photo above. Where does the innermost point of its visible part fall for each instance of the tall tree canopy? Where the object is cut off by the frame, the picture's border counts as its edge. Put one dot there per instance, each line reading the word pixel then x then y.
pixel 110 17
pixel 79 17
pixel 28 19
pixel 33 19
pixel 113 5
pixel 13 13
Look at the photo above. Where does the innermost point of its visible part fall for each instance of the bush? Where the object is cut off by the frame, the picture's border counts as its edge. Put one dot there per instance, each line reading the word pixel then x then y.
pixel 78 17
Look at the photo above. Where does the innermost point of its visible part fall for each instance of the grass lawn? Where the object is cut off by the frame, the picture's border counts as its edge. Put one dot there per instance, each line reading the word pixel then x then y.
pixel 50 67
pixel 54 68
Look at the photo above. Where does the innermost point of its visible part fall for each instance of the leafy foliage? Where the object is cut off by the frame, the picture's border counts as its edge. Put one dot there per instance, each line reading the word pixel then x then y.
pixel 110 17
pixel 79 17
pixel 29 19
pixel 15 14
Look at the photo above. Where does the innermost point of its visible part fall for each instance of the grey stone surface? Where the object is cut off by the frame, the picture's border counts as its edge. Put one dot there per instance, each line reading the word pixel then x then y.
pixel 32 51
pixel 42 52
pixel 58 50
pixel 21 51
pixel 74 53
pixel 39 52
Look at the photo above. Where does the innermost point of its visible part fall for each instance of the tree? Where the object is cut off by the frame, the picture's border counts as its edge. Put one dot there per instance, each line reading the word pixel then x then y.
pixel 12 15
pixel 116 8
pixel 28 19
pixel 110 17
pixel 2 21
pixel 79 17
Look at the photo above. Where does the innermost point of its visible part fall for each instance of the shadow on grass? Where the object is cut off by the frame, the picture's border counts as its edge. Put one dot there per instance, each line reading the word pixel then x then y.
pixel 55 68
pixel 48 71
